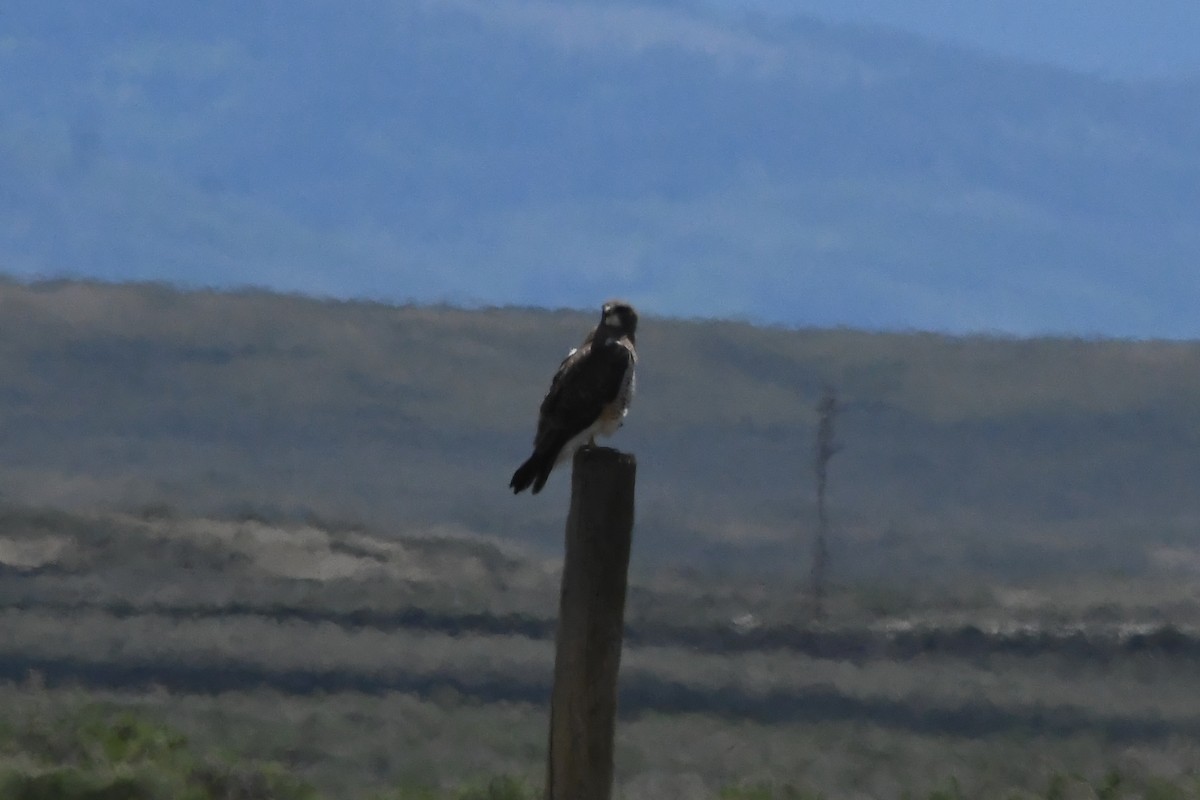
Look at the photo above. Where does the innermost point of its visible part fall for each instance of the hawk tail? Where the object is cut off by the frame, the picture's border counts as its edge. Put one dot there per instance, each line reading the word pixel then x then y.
pixel 535 471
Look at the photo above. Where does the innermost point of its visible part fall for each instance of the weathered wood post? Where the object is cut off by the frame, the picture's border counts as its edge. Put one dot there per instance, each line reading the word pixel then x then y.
pixel 591 618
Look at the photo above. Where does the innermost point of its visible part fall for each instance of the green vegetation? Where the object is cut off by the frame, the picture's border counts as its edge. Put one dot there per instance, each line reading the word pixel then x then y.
pixel 359 664
pixel 279 559
pixel 100 754
pixel 100 751
pixel 103 753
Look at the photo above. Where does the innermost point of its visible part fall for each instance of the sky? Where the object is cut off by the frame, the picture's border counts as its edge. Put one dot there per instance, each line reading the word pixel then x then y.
pixel 746 163
pixel 1121 39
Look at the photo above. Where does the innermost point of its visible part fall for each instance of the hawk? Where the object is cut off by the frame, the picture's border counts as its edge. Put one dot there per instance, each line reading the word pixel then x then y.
pixel 589 395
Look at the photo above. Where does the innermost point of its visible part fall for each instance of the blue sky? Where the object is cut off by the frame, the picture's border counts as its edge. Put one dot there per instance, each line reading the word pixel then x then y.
pixel 556 152
pixel 1126 39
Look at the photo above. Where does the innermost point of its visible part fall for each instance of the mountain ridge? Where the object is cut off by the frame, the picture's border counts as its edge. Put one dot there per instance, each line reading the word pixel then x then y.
pixel 523 153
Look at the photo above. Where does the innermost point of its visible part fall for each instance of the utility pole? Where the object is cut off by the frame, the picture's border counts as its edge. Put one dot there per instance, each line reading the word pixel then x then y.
pixel 827 410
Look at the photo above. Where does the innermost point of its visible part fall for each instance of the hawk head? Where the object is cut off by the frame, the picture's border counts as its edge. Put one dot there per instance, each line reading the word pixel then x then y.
pixel 617 319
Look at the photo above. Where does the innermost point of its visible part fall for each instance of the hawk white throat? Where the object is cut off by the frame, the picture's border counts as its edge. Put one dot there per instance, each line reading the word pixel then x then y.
pixel 589 395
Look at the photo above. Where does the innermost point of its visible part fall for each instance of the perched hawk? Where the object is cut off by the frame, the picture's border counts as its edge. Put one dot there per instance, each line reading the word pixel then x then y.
pixel 590 394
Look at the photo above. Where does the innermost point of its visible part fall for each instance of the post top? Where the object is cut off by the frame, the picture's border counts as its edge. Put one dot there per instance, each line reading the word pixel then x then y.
pixel 603 455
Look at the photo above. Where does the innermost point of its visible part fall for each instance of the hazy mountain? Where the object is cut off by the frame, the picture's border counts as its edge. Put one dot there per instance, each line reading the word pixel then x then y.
pixel 1110 38
pixel 961 455
pixel 701 162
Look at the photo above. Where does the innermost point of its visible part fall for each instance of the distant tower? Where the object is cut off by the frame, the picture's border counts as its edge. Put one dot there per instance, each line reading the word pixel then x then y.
pixel 827 410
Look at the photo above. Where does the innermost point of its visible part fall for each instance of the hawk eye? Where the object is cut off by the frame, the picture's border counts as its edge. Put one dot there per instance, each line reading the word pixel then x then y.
pixel 612 319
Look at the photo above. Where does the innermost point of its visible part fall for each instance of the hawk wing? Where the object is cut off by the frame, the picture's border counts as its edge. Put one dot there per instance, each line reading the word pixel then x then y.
pixel 588 380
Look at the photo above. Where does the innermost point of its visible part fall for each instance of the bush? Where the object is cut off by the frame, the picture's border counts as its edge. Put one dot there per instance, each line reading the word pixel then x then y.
pixel 503 788
pixel 70 783
pixel 100 755
pixel 762 791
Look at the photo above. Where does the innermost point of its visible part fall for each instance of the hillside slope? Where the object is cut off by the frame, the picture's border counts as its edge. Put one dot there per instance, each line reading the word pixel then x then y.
pixel 1005 456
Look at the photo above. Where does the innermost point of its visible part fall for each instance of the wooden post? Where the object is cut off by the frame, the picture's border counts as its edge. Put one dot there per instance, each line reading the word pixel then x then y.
pixel 591 619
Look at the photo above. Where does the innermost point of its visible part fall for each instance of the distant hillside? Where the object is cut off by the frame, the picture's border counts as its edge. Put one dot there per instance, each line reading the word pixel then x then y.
pixel 1007 457
pixel 544 153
